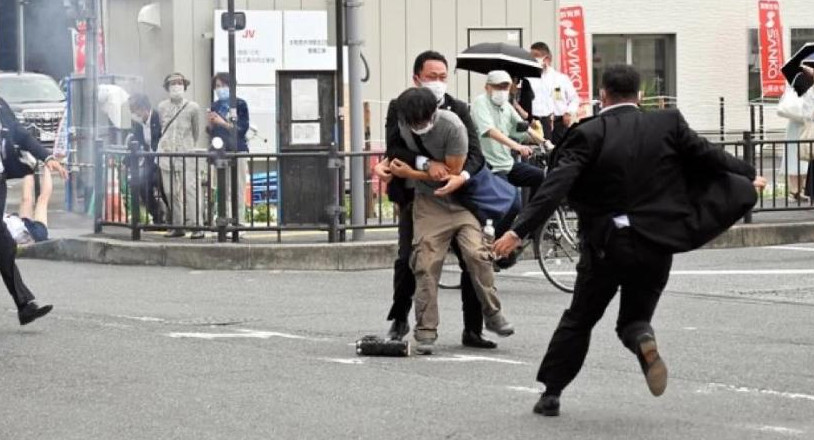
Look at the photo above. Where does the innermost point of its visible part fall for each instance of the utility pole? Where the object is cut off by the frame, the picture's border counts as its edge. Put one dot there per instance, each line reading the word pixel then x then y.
pixel 21 35
pixel 357 126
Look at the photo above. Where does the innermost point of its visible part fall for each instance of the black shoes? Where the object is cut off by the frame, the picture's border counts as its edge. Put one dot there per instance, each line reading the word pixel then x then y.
pixel 653 367
pixel 548 405
pixel 476 340
pixel 32 311
pixel 398 330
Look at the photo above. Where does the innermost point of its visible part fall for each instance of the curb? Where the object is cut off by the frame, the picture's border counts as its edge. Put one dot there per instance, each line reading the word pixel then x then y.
pixel 341 256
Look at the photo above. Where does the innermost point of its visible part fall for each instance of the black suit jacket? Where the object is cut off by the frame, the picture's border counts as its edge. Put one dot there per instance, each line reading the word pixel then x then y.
pixel 15 134
pixel 397 148
pixel 155 133
pixel 677 189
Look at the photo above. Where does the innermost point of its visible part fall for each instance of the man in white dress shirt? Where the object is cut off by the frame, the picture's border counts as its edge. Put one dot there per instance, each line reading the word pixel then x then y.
pixel 555 101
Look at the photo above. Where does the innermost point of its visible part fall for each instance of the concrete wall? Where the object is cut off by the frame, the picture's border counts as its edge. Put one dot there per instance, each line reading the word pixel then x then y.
pixel 711 47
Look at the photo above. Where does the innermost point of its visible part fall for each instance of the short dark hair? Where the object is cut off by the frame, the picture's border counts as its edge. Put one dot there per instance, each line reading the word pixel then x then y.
pixel 542 47
pixel 416 105
pixel 223 77
pixel 423 57
pixel 139 101
pixel 621 81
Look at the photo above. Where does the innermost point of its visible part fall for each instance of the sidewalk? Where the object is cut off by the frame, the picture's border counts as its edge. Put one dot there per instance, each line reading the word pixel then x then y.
pixel 73 240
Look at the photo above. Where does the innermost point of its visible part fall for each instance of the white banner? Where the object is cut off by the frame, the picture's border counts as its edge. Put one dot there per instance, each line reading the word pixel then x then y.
pixel 259 47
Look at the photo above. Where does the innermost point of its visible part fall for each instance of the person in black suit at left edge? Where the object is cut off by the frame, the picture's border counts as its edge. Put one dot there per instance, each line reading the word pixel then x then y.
pixel 13 133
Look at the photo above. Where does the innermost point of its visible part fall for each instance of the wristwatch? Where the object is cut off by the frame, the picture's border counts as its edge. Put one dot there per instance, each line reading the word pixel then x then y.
pixel 425 166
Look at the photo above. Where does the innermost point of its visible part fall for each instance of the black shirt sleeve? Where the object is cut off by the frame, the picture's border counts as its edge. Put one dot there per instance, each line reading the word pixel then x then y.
pixel 575 154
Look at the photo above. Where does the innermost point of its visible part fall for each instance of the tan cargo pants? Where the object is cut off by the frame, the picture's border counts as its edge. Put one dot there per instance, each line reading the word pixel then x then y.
pixel 436 224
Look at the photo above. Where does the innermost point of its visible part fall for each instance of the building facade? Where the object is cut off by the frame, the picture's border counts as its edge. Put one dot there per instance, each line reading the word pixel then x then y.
pixel 696 51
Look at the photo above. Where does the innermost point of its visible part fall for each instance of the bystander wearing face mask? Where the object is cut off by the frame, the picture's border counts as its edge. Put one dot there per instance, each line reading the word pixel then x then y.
pixel 499 97
pixel 176 91
pixel 222 93
pixel 438 88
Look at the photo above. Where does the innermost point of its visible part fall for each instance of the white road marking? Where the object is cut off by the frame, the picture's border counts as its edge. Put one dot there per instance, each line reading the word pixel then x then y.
pixel 792 248
pixel 690 328
pixel 468 358
pixel 780 430
pixel 525 389
pixel 347 361
pixel 703 272
pixel 140 318
pixel 709 388
pixel 243 333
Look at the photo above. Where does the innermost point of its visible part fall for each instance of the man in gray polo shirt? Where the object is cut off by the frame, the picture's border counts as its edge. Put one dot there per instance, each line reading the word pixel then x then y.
pixel 438 218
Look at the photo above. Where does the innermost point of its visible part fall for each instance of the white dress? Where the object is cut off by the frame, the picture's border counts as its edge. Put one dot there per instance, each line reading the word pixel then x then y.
pixel 792 165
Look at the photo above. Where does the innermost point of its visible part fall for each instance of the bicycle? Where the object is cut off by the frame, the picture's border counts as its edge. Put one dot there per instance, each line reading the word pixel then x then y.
pixel 556 242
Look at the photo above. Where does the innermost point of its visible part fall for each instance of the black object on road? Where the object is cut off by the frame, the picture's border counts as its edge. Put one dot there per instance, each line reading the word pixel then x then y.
pixel 372 345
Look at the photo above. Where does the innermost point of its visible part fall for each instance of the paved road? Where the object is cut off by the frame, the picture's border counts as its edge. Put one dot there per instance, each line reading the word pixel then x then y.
pixel 163 353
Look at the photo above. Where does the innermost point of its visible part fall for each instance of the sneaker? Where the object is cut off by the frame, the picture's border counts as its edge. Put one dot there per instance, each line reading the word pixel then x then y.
pixel 653 366
pixel 197 235
pixel 398 330
pixel 548 405
pixel 424 347
pixel 175 233
pixel 497 324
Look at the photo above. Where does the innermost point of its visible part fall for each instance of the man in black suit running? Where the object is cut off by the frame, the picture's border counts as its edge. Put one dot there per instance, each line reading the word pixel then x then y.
pixel 625 172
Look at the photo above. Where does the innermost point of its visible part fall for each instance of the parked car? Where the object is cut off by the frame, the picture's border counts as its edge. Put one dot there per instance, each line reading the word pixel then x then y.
pixel 37 101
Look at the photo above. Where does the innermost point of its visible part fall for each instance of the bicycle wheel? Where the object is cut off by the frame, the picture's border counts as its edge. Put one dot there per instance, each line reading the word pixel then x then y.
pixel 557 250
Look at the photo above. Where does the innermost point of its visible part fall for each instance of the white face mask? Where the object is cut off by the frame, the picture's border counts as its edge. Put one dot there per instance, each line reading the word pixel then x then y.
pixel 438 88
pixel 425 130
pixel 176 91
pixel 500 97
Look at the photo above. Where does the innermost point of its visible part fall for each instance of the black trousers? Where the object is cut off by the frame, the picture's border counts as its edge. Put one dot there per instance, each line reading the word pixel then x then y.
pixel 8 268
pixel 522 175
pixel 553 128
pixel 152 194
pixel 404 280
pixel 628 262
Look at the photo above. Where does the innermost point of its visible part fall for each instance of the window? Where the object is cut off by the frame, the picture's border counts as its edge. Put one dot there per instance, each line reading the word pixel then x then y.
pixel 653 55
pixel 798 38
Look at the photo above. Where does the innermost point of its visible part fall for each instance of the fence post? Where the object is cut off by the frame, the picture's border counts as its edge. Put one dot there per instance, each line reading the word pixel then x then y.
pixel 235 192
pixel 762 126
pixel 220 165
pixel 748 157
pixel 135 188
pixel 722 107
pixel 99 186
pixel 335 208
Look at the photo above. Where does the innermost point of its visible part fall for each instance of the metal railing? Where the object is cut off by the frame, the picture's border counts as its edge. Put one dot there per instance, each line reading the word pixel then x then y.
pixel 201 190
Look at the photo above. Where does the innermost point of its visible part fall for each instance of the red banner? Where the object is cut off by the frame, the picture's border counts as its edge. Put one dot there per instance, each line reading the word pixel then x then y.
pixel 79 46
pixel 771 49
pixel 573 53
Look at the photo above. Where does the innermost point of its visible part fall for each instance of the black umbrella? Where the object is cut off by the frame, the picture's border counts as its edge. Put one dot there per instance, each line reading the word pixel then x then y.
pixel 486 57
pixel 794 74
